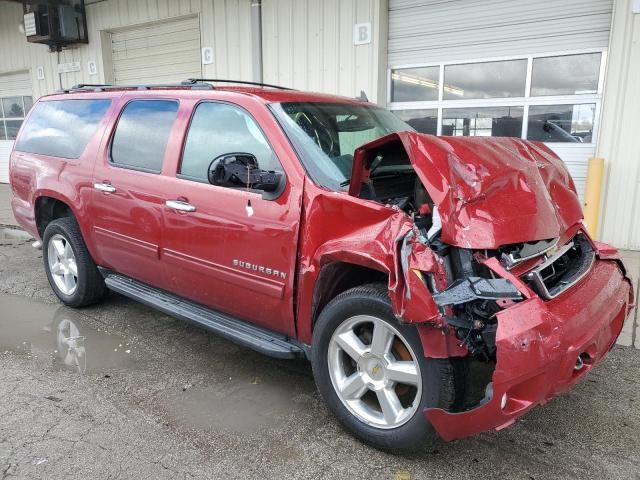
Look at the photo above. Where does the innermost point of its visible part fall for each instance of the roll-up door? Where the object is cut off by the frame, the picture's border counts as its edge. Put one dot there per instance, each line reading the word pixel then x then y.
pixel 15 100
pixel 436 30
pixel 157 53
pixel 502 67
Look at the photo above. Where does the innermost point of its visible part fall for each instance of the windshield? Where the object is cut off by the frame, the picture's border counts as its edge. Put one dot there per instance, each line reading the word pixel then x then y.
pixel 326 135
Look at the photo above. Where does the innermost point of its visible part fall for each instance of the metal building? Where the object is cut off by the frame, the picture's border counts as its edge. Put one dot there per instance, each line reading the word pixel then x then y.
pixel 565 73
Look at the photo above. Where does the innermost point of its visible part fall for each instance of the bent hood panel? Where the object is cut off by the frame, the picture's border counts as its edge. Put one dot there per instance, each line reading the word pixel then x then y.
pixel 494 191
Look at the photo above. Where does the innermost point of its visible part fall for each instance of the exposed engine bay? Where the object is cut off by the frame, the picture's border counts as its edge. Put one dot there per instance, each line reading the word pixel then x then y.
pixel 473 294
pixel 394 182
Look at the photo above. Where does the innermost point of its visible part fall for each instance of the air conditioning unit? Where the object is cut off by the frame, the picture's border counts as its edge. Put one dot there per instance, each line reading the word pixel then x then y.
pixel 57 24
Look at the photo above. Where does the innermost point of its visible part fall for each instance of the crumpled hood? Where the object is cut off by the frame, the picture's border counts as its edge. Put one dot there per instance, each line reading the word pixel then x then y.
pixel 492 191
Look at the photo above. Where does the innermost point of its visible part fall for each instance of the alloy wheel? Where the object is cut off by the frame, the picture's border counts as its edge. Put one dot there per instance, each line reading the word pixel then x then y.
pixel 374 372
pixel 62 264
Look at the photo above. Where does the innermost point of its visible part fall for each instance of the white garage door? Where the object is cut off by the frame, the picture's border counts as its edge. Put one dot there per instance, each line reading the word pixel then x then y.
pixel 157 53
pixel 502 68
pixel 15 100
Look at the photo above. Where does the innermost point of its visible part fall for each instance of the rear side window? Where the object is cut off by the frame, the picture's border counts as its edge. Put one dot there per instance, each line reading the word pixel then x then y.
pixel 142 134
pixel 62 128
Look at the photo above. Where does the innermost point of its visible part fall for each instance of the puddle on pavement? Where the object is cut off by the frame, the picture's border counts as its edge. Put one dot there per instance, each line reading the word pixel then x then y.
pixel 58 334
pixel 242 406
pixel 62 337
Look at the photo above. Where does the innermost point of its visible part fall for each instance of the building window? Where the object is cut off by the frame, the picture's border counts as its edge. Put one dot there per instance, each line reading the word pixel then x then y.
pixel 561 123
pixel 415 84
pixel 566 75
pixel 482 122
pixel 549 98
pixel 423 120
pixel 485 80
pixel 12 112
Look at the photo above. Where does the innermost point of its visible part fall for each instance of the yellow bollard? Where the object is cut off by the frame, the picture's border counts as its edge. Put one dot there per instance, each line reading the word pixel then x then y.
pixel 592 194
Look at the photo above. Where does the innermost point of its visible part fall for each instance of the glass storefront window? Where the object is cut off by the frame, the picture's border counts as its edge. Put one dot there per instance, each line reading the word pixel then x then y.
pixel 561 123
pixel 28 103
pixel 423 120
pixel 12 128
pixel 415 84
pixel 12 107
pixel 485 80
pixel 565 75
pixel 483 121
pixel 12 112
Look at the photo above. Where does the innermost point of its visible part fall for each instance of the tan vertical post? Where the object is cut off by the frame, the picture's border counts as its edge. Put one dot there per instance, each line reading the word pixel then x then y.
pixel 592 194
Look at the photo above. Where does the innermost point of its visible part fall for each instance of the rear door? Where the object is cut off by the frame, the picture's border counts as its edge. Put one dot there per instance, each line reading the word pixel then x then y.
pixel 128 197
pixel 232 249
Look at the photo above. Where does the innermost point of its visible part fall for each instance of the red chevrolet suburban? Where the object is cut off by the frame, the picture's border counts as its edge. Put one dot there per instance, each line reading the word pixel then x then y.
pixel 438 285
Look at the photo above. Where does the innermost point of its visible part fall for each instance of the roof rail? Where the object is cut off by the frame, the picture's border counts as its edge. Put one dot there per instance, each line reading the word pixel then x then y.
pixel 94 87
pixel 241 82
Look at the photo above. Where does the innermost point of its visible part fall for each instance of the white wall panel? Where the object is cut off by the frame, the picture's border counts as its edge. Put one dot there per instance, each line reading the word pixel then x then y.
pixel 449 30
pixel 225 25
pixel 308 45
pixel 619 139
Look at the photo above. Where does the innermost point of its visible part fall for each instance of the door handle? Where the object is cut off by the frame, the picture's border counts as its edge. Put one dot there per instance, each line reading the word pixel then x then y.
pixel 180 206
pixel 104 187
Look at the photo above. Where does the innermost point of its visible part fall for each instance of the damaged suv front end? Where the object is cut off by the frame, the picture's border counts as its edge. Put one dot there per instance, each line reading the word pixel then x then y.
pixel 482 245
pixel 509 271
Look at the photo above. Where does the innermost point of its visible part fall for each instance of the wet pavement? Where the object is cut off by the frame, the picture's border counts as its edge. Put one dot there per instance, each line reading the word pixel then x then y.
pixel 121 391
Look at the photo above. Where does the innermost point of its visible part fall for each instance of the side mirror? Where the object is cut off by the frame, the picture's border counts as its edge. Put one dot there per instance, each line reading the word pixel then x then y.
pixel 240 170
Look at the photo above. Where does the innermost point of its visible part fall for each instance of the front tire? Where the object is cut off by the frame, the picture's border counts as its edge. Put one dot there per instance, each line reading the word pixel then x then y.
pixel 373 375
pixel 72 274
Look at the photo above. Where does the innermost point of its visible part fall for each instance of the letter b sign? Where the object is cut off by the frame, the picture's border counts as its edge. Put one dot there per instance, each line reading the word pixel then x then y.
pixel 362 33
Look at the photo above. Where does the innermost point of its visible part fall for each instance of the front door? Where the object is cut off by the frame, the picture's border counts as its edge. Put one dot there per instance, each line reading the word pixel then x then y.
pixel 128 200
pixel 230 248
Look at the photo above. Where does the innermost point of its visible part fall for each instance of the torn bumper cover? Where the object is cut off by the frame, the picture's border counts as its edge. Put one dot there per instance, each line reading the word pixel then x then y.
pixel 543 348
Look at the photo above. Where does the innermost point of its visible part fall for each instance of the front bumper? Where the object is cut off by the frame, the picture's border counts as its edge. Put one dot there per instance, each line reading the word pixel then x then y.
pixel 538 344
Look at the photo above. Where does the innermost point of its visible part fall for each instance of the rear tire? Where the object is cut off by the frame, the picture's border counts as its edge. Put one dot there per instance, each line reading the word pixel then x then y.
pixel 429 382
pixel 72 274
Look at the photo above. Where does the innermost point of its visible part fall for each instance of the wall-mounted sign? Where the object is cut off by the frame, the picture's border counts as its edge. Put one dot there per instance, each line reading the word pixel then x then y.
pixel 68 67
pixel 40 73
pixel 92 68
pixel 207 55
pixel 636 6
pixel 30 27
pixel 362 33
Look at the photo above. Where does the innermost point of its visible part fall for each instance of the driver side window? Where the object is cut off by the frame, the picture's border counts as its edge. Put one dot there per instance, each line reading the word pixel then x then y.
pixel 218 129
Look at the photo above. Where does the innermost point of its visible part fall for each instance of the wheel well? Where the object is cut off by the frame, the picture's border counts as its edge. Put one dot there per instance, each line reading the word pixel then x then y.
pixel 337 277
pixel 49 209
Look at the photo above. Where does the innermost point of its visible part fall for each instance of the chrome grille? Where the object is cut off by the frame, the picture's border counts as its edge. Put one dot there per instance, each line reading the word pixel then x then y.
pixel 566 267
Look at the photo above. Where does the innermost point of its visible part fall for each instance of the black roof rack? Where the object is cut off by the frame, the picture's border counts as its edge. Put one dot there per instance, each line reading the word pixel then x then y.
pixel 94 87
pixel 193 83
pixel 241 82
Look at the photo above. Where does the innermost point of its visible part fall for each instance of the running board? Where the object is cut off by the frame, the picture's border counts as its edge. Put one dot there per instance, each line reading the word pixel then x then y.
pixel 238 331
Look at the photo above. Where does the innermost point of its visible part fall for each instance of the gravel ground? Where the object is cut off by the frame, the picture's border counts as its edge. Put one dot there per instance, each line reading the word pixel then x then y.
pixel 141 395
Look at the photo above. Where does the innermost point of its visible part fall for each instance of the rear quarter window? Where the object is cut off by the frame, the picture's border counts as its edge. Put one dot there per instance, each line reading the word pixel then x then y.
pixel 62 128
